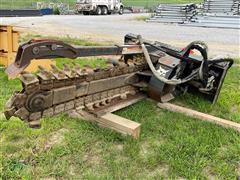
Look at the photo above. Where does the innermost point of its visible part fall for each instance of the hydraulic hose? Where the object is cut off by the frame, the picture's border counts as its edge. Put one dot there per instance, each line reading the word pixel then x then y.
pixel 163 79
pixel 198 72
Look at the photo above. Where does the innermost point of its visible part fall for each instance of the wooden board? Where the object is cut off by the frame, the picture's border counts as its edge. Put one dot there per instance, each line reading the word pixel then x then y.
pixel 120 124
pixel 110 121
pixel 106 119
pixel 201 116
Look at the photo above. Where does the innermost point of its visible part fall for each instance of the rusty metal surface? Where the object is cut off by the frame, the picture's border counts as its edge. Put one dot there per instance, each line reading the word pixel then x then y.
pixel 49 93
pixel 52 92
pixel 50 49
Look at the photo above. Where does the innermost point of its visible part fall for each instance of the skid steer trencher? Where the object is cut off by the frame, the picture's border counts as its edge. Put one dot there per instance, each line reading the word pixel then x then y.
pixel 155 69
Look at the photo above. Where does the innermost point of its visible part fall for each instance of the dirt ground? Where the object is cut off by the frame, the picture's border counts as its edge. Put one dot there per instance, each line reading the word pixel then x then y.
pixel 112 29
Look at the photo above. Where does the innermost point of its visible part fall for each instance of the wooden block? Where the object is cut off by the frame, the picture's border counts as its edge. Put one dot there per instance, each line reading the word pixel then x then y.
pixel 104 118
pixel 201 116
pixel 120 124
pixel 110 121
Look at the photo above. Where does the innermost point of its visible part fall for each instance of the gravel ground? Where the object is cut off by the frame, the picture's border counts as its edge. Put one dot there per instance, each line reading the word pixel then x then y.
pixel 113 28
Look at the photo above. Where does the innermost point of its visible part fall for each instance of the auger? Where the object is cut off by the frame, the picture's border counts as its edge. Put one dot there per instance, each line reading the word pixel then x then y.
pixel 148 68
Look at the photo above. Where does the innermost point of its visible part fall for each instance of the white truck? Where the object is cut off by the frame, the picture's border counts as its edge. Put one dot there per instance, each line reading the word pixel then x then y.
pixel 99 7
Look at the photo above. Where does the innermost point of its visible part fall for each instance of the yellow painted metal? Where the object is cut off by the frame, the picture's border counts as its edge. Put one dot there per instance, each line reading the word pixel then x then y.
pixel 46 63
pixel 8 45
pixel 8 49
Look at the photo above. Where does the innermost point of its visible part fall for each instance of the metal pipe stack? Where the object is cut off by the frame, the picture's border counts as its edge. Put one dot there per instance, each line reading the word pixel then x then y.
pixel 174 13
pixel 214 20
pixel 236 7
pixel 215 6
pixel 212 13
pixel 218 13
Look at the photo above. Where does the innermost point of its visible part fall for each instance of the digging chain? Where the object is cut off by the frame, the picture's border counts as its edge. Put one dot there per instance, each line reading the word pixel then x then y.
pixel 52 92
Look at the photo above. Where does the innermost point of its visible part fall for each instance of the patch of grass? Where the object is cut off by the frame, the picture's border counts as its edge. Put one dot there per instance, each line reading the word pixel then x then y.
pixel 153 3
pixel 186 145
pixel 228 104
pixel 171 145
pixel 93 62
pixel 65 39
pixel 237 61
pixel 142 18
pixel 7 88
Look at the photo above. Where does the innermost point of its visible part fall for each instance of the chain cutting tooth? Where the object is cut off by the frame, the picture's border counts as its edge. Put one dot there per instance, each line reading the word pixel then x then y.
pixel 89 72
pixel 41 68
pixel 30 82
pixel 103 103
pixel 22 113
pixel 77 69
pixel 62 74
pixel 137 60
pixel 88 69
pixel 46 78
pixel 119 69
pixel 97 69
pixel 131 66
pixel 109 64
pixel 97 105
pixel 10 107
pixel 122 64
pixel 69 72
pixel 26 76
pixel 35 116
pixel 66 67
pixel 73 73
pixel 76 66
pixel 44 73
pixel 108 100
pixel 79 73
pixel 100 73
pixel 9 112
pixel 54 68
pixel 89 107
pixel 59 74
pixel 130 62
pixel 123 68
pixel 123 96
